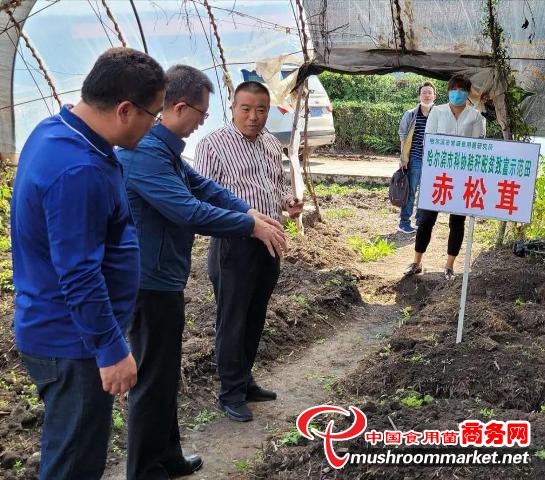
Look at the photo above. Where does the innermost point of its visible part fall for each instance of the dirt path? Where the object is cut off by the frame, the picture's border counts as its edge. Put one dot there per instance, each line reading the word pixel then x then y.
pixel 299 383
pixel 304 380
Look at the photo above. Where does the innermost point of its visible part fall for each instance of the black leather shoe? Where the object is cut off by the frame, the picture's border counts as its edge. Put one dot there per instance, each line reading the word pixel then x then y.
pixel 184 465
pixel 258 394
pixel 239 412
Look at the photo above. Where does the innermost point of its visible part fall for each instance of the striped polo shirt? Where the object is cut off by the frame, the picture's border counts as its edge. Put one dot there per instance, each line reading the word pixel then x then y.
pixel 251 169
pixel 417 146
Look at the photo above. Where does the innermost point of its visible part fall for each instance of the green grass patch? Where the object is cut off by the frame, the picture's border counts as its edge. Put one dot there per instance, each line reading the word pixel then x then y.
pixel 417 358
pixel 371 250
pixel 203 417
pixel 487 412
pixel 6 280
pixel 243 465
pixel 298 299
pixel 290 438
pixel 339 213
pixel 415 400
pixel 335 189
pixel 5 243
pixel 485 232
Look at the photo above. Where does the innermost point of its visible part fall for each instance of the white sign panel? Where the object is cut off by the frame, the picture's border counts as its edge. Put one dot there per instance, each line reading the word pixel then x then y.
pixel 479 177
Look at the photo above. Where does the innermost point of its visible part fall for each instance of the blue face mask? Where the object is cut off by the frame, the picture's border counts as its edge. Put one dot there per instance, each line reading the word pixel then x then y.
pixel 457 97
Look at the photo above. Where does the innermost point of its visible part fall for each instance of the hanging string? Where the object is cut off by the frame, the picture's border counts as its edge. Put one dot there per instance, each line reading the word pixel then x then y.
pixel 99 17
pixel 213 60
pixel 116 26
pixel 226 77
pixel 42 97
pixel 306 164
pixel 49 5
pixel 35 55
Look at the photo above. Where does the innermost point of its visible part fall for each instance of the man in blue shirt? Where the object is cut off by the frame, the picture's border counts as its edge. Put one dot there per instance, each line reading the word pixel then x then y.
pixel 170 203
pixel 75 259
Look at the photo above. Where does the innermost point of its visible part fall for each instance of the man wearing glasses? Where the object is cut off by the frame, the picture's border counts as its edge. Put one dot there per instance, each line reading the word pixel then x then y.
pixel 170 203
pixel 76 261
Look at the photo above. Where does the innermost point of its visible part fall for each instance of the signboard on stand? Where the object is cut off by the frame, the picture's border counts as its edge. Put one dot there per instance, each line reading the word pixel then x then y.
pixel 478 178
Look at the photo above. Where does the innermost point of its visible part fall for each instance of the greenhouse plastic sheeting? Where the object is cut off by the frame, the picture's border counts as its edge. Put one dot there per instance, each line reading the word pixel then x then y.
pixel 69 36
pixel 432 37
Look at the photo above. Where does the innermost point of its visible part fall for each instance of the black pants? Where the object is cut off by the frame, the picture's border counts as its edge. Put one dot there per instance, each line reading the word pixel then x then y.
pixel 244 276
pixel 78 417
pixel 156 342
pixel 455 236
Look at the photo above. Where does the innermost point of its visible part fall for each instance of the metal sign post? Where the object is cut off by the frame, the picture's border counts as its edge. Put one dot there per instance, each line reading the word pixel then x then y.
pixel 465 281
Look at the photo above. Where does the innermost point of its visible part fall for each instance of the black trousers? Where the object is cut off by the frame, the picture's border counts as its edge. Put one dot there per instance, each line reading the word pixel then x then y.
pixel 156 342
pixel 244 276
pixel 455 236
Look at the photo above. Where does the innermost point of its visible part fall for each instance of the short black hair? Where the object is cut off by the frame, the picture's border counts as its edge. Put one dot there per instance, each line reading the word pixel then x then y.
pixel 252 87
pixel 459 81
pixel 187 83
pixel 121 74
pixel 426 84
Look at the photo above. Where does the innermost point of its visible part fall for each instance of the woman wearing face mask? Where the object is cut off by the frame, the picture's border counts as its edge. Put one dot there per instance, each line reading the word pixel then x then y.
pixel 411 135
pixel 456 117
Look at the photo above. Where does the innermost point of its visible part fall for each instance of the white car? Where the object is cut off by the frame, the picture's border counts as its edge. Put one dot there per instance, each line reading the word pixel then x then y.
pixel 321 129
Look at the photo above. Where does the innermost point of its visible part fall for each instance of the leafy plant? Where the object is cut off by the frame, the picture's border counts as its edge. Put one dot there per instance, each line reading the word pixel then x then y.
pixel 6 280
pixel 537 228
pixel 117 420
pixel 291 229
pixel 19 469
pixel 414 399
pixel 298 299
pixel 371 250
pixel 243 465
pixel 487 412
pixel 203 417
pixel 416 358
pixel 5 243
pixel 540 454
pixel 209 297
pixel 291 438
pixel 385 350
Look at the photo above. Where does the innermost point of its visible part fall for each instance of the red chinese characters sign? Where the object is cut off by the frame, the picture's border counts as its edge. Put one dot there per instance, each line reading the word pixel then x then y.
pixel 479 177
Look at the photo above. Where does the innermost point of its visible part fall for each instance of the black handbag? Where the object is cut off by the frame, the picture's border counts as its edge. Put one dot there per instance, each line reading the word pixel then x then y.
pixel 399 188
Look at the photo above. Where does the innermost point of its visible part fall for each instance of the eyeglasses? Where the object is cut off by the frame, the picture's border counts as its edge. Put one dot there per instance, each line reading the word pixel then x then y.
pixel 205 115
pixel 157 116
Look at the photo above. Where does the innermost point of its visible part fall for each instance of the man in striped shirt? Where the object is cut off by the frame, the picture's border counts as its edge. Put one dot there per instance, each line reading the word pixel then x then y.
pixel 247 160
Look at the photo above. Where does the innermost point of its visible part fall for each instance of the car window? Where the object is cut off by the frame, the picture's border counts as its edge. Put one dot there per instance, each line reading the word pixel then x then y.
pixel 251 76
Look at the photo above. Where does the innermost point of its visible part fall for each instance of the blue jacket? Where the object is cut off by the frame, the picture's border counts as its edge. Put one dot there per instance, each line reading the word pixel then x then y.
pixel 75 250
pixel 170 203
